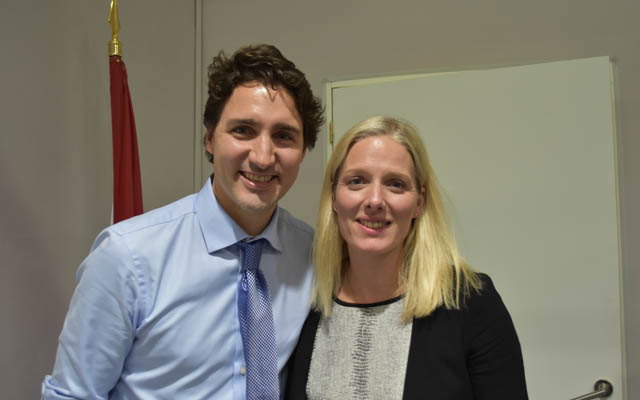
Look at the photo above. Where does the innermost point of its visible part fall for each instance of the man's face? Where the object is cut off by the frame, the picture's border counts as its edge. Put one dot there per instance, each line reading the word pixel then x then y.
pixel 257 149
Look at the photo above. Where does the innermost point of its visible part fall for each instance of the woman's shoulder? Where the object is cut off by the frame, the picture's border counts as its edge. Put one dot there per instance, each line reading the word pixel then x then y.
pixel 484 311
pixel 486 285
pixel 485 295
pixel 476 294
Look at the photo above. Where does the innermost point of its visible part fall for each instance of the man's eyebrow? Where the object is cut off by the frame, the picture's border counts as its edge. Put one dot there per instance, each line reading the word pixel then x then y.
pixel 281 126
pixel 286 127
pixel 242 121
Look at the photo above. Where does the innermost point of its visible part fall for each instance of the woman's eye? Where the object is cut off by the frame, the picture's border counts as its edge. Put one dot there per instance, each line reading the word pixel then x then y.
pixel 355 181
pixel 398 185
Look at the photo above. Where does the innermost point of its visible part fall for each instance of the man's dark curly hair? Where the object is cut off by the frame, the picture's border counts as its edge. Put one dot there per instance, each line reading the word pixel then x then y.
pixel 265 64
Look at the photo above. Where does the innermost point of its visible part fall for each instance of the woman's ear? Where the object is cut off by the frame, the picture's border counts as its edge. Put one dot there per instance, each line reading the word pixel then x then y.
pixel 422 198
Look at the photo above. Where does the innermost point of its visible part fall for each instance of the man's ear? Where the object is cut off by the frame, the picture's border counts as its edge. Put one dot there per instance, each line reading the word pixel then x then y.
pixel 208 141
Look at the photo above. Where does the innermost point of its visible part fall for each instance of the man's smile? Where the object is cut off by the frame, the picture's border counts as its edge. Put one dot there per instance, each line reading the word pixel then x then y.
pixel 257 178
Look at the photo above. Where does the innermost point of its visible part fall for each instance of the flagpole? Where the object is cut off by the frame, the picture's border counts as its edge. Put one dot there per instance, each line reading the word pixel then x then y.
pixel 114 21
pixel 127 186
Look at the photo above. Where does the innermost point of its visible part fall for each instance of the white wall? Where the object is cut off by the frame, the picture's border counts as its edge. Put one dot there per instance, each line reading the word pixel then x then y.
pixel 336 39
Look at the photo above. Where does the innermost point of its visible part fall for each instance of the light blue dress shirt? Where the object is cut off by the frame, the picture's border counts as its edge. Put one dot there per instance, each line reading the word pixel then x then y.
pixel 154 314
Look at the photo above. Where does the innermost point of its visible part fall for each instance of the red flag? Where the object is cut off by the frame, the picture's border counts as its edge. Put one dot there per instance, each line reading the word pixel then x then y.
pixel 127 187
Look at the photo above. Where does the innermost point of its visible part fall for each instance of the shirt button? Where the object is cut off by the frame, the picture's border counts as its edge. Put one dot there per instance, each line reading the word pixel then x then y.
pixel 243 370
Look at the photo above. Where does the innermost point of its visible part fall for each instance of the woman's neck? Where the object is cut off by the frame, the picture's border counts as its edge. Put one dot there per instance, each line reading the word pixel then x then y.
pixel 371 278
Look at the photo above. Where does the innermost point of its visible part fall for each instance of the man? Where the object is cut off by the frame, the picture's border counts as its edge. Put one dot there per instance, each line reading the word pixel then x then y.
pixel 165 302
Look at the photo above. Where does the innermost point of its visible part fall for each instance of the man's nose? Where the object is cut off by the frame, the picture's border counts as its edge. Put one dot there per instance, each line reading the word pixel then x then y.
pixel 262 154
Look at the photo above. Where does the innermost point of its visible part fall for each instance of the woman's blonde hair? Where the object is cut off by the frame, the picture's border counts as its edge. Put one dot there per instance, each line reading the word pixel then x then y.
pixel 433 272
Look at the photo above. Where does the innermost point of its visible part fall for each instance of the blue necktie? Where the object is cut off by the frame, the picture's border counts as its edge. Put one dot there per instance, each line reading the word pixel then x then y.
pixel 256 326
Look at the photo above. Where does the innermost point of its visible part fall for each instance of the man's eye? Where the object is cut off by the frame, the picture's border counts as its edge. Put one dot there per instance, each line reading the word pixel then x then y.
pixel 241 130
pixel 284 136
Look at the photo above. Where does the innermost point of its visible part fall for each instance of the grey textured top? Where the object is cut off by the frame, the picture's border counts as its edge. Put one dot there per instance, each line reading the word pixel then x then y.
pixel 360 352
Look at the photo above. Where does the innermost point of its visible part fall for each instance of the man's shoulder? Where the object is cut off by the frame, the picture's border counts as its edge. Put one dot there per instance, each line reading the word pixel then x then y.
pixel 293 226
pixel 156 218
pixel 145 233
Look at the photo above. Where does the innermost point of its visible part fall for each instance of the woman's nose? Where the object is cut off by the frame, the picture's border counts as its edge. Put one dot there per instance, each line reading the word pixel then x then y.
pixel 374 199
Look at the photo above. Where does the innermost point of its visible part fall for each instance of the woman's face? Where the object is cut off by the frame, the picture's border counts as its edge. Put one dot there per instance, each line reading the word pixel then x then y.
pixel 375 197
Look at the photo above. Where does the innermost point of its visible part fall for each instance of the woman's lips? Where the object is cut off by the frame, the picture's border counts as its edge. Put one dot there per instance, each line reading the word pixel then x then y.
pixel 377 225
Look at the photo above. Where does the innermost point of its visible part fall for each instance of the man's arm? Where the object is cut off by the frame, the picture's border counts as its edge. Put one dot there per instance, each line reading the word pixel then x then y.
pixel 100 325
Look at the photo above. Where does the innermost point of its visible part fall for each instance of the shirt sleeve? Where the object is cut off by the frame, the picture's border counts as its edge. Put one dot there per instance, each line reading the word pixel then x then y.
pixel 99 328
pixel 494 357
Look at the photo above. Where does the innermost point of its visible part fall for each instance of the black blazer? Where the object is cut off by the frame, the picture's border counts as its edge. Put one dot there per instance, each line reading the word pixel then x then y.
pixel 467 354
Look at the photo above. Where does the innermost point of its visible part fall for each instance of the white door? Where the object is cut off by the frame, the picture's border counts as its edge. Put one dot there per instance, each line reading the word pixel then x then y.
pixel 526 157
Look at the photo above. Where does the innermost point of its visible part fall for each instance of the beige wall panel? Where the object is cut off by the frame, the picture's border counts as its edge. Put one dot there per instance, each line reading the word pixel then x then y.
pixel 159 52
pixel 55 152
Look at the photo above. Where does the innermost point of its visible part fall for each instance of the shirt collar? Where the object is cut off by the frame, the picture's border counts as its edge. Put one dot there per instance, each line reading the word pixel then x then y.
pixel 221 231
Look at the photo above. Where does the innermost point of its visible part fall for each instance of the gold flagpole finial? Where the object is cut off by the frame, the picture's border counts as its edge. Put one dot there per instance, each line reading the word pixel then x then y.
pixel 114 21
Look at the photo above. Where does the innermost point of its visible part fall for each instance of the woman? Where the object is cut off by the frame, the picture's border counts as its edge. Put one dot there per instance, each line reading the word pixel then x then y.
pixel 398 314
